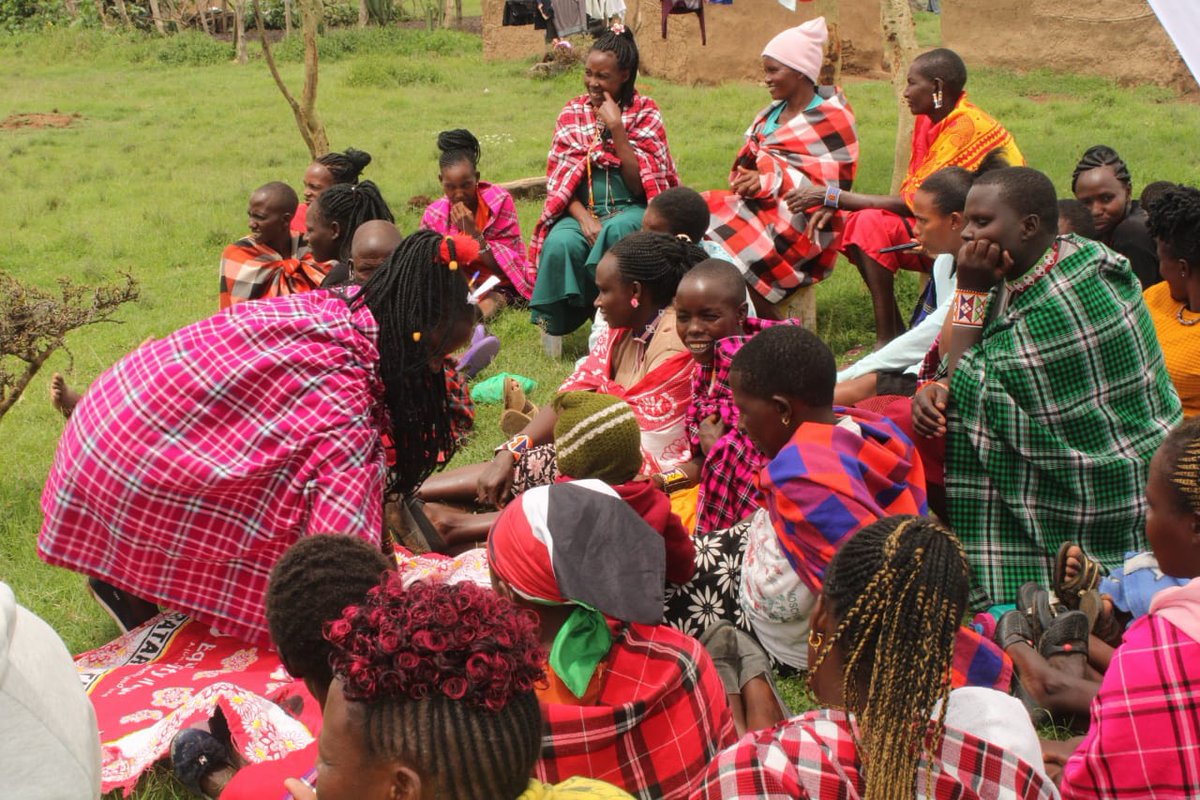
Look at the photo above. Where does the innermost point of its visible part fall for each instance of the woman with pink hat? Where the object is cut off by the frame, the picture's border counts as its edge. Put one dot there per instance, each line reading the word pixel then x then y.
pixel 805 139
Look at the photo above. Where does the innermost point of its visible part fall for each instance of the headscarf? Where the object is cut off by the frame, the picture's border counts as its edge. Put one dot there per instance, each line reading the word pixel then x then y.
pixel 580 544
pixel 802 48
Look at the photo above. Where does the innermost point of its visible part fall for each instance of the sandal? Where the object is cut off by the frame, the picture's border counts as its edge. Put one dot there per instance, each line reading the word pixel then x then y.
pixel 1068 635
pixel 1013 628
pixel 518 410
pixel 1070 590
pixel 1104 625
pixel 413 528
pixel 1034 602
pixel 194 754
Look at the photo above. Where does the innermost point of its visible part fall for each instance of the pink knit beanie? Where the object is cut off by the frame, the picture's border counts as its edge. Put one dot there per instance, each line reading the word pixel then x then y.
pixel 802 48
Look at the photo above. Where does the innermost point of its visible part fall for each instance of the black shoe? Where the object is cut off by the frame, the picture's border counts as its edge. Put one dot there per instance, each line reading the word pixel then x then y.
pixel 194 754
pixel 120 605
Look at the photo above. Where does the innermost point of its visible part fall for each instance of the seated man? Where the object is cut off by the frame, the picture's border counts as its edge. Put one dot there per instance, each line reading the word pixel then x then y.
pixel 1057 395
pixel 272 261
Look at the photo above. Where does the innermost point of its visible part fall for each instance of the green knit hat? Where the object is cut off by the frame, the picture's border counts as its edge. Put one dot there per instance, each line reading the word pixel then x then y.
pixel 596 436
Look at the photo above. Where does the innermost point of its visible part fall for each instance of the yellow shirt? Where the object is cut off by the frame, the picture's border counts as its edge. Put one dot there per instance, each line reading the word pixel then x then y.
pixel 1180 344
pixel 572 788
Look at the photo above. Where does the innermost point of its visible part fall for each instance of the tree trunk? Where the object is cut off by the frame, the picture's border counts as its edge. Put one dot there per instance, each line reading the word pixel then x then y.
pixel 72 9
pixel 899 48
pixel 363 13
pixel 156 15
pixel 239 30
pixel 124 12
pixel 287 18
pixel 305 112
pixel 100 13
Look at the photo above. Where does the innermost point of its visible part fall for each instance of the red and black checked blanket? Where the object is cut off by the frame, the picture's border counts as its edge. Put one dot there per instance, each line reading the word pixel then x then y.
pixel 250 270
pixel 767 242
pixel 661 717
pixel 576 140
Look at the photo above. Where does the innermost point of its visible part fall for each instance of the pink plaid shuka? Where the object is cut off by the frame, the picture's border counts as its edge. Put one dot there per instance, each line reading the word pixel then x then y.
pixel 196 460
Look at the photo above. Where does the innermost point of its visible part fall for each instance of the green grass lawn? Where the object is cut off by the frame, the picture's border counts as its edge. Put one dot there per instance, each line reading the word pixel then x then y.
pixel 154 176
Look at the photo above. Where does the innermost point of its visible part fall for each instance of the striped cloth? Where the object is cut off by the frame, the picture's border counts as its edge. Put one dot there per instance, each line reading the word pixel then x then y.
pixel 1144 739
pixel 816 148
pixel 659 719
pixel 1053 418
pixel 576 139
pixel 191 465
pixel 502 233
pixel 250 270
pixel 816 756
pixel 831 480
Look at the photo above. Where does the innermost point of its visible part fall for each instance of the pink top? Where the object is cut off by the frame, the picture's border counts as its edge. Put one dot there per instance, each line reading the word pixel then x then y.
pixel 502 233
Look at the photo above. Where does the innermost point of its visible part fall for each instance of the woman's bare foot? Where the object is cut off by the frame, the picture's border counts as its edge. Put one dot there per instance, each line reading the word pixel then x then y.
pixel 63 397
pixel 1073 563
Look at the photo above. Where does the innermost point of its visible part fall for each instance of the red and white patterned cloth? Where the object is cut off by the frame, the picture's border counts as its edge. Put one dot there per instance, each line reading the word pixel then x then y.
pixel 575 141
pixel 191 465
pixel 815 756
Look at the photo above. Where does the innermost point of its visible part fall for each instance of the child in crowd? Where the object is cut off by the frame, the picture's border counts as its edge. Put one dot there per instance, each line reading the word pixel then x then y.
pixel 485 212
pixel 1074 217
pixel 711 316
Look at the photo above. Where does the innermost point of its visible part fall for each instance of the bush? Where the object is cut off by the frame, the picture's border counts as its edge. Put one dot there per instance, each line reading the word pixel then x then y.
pixel 192 49
pixel 379 74
pixel 28 15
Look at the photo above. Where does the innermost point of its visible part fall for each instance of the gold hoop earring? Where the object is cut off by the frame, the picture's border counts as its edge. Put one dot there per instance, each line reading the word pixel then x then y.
pixel 815 639
pixel 785 419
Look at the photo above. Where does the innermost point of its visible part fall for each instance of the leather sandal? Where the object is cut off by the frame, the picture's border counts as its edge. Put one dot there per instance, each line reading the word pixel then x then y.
pixel 1067 635
pixel 1013 628
pixel 1070 590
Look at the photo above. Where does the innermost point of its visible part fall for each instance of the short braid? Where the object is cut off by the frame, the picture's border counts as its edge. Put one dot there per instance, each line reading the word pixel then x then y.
pixel 1181 450
pixel 1101 156
pixel 1174 220
pixel 898 589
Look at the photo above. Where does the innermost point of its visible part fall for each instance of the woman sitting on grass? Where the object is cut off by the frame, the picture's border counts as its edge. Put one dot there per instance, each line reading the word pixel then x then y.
pixel 881 647
pixel 639 359
pixel 806 138
pixel 193 463
pixel 608 158
pixel 434 696
pixel 628 700
pixel 325 171
pixel 483 211
pixel 1101 181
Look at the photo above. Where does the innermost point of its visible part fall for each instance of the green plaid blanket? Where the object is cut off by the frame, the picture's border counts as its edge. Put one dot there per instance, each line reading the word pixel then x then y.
pixel 1053 418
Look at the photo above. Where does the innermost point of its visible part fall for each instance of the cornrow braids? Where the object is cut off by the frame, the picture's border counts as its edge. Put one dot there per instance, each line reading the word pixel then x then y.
pixel 1174 220
pixel 898 590
pixel 310 585
pixel 345 167
pixel 1182 451
pixel 350 205
pixel 1101 156
pixel 657 261
pixel 417 302
pixel 445 675
pixel 456 146
pixel 625 50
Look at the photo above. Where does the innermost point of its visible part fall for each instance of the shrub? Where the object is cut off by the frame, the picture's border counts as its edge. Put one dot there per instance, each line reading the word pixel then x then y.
pixel 380 74
pixel 192 49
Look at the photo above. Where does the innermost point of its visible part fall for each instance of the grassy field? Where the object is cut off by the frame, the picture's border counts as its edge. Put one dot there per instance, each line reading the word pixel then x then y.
pixel 153 178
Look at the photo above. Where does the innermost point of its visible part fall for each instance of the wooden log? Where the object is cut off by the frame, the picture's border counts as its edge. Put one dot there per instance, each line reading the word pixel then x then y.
pixel 526 188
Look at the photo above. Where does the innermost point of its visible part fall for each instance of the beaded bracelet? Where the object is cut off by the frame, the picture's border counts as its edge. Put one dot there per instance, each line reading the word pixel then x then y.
pixel 517 445
pixel 969 308
pixel 833 196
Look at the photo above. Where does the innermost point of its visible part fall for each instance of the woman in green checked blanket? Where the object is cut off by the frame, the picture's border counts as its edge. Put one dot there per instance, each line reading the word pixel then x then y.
pixel 1053 397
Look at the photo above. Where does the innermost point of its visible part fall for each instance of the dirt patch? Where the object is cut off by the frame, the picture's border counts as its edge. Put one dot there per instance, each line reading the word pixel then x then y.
pixel 37 121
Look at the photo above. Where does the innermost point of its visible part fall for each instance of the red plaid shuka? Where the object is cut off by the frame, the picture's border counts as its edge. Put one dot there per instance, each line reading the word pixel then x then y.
pixel 727 491
pixel 815 756
pixel 576 140
pixel 660 718
pixel 250 271
pixel 1144 739
pixel 767 242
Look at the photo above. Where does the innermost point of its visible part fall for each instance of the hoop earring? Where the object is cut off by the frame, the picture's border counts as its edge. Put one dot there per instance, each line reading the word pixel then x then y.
pixel 633 301
pixel 786 420
pixel 815 639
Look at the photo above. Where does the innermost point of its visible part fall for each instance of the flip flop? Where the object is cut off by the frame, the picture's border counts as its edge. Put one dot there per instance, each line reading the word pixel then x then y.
pixel 513 422
pixel 1013 628
pixel 415 531
pixel 1070 590
pixel 478 356
pixel 1067 635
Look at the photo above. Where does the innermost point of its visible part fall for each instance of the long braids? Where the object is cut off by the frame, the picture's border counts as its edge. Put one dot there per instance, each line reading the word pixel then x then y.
pixel 625 50
pixel 898 589
pixel 345 167
pixel 417 301
pixel 657 261
pixel 1102 156
pixel 350 205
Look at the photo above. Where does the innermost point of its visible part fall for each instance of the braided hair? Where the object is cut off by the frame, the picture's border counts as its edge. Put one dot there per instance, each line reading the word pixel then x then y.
pixel 345 167
pixel 418 301
pixel 625 50
pixel 310 584
pixel 445 675
pixel 458 145
pixel 657 261
pixel 1174 220
pixel 1181 451
pixel 1102 156
pixel 350 205
pixel 898 591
